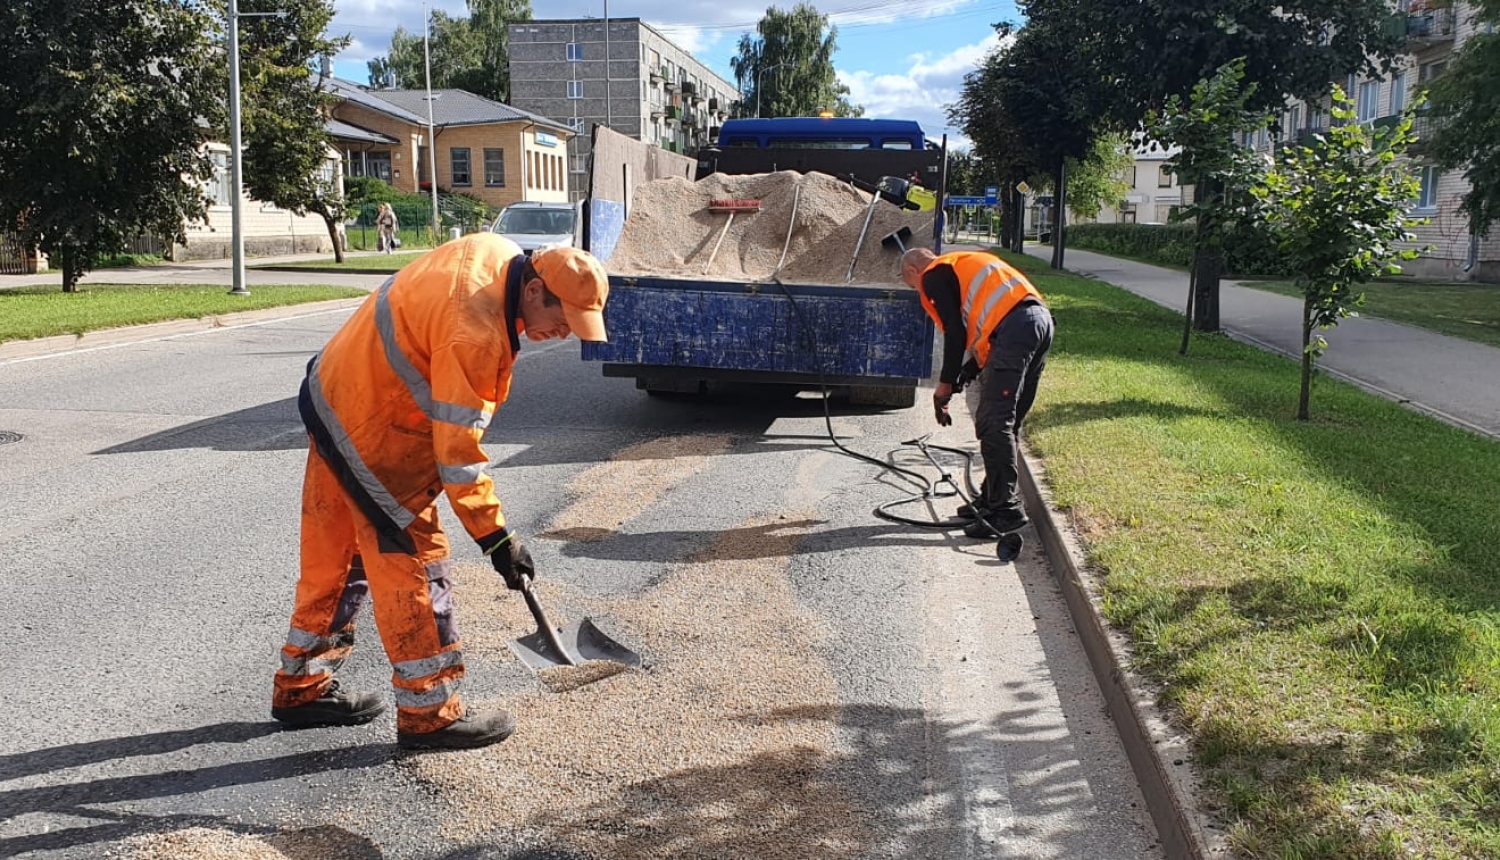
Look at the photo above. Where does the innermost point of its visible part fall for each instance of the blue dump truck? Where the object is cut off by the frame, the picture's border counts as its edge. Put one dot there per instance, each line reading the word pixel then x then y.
pixel 872 342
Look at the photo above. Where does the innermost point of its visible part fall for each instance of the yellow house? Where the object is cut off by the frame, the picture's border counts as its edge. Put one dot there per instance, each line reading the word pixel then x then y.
pixel 485 149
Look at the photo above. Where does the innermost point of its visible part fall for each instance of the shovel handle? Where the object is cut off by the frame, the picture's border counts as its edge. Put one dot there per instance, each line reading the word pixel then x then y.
pixel 542 622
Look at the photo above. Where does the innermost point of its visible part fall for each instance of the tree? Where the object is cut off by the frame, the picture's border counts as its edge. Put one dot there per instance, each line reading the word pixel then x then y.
pixel 1150 50
pixel 1466 103
pixel 1338 210
pixel 101 138
pixel 1220 170
pixel 1097 179
pixel 787 68
pixel 286 107
pixel 470 53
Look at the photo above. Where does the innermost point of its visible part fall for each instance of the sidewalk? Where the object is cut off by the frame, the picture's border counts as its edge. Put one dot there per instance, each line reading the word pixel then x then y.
pixel 214 271
pixel 1454 380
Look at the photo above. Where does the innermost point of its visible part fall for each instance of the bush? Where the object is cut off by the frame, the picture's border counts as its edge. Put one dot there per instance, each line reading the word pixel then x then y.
pixel 1248 252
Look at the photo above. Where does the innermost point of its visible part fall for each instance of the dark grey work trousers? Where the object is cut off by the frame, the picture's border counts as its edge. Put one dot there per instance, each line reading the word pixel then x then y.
pixel 1007 388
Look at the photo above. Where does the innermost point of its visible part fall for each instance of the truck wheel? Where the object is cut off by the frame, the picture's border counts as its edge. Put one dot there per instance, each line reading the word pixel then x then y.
pixel 893 396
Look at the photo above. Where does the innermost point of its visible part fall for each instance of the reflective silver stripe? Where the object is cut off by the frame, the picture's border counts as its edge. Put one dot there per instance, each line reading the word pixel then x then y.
pixel 436 696
pixel 995 298
pixel 411 670
pixel 461 474
pixel 304 666
pixel 416 384
pixel 376 490
pixel 304 640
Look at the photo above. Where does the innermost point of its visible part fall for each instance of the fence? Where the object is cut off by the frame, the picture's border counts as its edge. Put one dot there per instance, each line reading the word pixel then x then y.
pixel 414 222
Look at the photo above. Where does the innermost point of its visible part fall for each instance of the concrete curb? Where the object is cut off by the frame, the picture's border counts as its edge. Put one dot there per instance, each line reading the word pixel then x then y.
pixel 1159 755
pixel 321 270
pixel 23 350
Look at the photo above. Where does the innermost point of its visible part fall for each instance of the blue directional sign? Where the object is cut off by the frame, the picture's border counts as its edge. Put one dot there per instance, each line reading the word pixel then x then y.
pixel 991 195
pixel 959 200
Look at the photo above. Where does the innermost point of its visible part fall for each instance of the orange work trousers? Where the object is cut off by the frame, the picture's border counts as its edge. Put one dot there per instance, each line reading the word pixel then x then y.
pixel 413 605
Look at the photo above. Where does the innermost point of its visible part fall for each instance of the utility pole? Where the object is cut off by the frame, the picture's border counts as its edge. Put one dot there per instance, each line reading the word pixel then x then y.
pixel 236 222
pixel 431 135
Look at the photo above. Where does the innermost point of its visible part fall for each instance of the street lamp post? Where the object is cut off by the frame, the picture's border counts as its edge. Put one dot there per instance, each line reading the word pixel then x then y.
pixel 236 176
pixel 758 70
pixel 431 135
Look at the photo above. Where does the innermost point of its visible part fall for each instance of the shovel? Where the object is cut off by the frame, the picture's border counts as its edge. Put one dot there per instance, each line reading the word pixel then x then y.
pixel 574 645
pixel 897 239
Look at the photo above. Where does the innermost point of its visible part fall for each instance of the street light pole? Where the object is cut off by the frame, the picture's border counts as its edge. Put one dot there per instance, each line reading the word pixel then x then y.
pixel 431 135
pixel 758 70
pixel 236 224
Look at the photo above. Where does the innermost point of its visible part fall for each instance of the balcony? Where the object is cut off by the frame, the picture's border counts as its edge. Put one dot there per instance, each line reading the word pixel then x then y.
pixel 674 112
pixel 1305 136
pixel 1424 25
pixel 657 76
pixel 689 89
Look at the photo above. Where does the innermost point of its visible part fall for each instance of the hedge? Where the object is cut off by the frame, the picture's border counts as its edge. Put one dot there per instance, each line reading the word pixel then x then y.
pixel 1247 252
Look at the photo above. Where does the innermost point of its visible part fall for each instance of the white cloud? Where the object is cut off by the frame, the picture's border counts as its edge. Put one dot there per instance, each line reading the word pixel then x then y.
pixel 924 91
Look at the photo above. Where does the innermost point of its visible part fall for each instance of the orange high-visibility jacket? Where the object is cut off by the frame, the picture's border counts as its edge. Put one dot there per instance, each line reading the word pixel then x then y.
pixel 989 289
pixel 399 399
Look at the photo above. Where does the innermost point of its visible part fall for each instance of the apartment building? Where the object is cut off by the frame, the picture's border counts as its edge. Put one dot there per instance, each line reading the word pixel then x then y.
pixel 1435 30
pixel 647 88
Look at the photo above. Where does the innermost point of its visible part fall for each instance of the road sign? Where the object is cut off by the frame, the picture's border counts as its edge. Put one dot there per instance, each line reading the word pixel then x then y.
pixel 957 200
pixel 991 195
pixel 1023 187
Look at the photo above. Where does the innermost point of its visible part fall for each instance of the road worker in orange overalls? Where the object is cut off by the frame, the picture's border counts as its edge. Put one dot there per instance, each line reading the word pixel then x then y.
pixel 396 405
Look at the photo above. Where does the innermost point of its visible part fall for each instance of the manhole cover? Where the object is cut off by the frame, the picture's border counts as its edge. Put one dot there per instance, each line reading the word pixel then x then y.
pixel 9 436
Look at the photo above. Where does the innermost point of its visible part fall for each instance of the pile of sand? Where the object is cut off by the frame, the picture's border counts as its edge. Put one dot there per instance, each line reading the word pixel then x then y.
pixel 672 233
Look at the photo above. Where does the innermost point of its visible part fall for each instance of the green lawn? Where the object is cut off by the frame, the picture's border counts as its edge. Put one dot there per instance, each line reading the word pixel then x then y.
pixel 1469 311
pixel 355 263
pixel 1320 600
pixel 31 312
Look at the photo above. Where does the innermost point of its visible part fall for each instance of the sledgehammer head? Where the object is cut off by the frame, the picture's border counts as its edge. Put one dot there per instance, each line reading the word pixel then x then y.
pixel 897 239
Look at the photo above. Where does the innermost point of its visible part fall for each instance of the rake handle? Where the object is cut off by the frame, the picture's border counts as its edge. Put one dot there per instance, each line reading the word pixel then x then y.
pixel 541 621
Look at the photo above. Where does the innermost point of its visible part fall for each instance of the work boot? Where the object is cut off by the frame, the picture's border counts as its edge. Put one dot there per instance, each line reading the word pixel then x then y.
pixel 467 732
pixel 996 523
pixel 966 512
pixel 334 708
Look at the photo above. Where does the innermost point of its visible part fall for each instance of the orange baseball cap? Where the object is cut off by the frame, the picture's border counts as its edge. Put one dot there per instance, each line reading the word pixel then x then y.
pixel 580 282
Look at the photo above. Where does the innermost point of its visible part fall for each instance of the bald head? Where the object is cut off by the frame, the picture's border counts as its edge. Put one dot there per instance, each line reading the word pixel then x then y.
pixel 914 263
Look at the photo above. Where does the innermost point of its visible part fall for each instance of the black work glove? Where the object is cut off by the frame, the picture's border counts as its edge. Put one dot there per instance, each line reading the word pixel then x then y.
pixel 511 560
pixel 940 409
pixel 966 374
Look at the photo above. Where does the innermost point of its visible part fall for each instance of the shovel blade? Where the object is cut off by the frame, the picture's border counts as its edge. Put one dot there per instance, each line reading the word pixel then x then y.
pixel 581 640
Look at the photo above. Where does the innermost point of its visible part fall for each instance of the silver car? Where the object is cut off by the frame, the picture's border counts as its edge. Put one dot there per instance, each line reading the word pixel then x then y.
pixel 533 225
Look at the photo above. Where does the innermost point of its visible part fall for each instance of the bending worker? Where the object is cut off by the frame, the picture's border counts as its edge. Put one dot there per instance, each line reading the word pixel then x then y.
pixel 996 327
pixel 396 405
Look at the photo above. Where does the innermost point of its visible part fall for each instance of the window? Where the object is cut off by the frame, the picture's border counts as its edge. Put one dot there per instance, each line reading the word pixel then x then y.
pixel 1368 104
pixel 576 123
pixel 218 186
pixel 458 161
pixel 1296 123
pixel 1164 178
pixel 575 51
pixel 494 168
pixel 1428 72
pixel 575 89
pixel 1398 93
pixel 1427 198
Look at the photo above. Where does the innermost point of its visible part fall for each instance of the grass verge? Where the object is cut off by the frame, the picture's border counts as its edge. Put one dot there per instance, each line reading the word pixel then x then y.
pixel 44 311
pixel 352 263
pixel 1320 600
pixel 1469 311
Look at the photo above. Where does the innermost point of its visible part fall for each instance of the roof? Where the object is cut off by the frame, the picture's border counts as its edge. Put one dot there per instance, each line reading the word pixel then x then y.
pixel 347 131
pixel 449 107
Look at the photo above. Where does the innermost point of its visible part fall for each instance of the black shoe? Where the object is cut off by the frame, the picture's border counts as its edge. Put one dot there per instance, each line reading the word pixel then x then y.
pixel 966 512
pixel 467 732
pixel 996 523
pixel 334 708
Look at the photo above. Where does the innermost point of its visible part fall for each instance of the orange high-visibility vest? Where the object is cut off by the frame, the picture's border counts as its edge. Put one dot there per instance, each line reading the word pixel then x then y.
pixel 988 289
pixel 398 400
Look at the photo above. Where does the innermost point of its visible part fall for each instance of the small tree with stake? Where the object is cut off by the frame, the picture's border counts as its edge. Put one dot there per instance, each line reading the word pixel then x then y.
pixel 1338 208
pixel 1220 170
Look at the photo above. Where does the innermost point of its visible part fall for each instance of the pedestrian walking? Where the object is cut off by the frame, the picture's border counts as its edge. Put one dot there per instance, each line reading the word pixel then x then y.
pixel 996 334
pixel 386 229
pixel 395 406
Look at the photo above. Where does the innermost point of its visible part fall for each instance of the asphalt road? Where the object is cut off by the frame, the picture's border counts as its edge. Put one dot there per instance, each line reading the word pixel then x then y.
pixel 824 684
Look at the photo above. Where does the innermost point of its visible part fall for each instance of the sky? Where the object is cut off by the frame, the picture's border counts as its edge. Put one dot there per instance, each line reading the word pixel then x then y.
pixel 902 59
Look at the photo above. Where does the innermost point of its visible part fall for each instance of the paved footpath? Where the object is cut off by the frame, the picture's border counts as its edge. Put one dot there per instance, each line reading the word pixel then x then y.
pixel 1452 379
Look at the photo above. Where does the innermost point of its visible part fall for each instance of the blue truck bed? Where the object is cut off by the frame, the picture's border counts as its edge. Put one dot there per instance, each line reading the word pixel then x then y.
pixel 669 332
